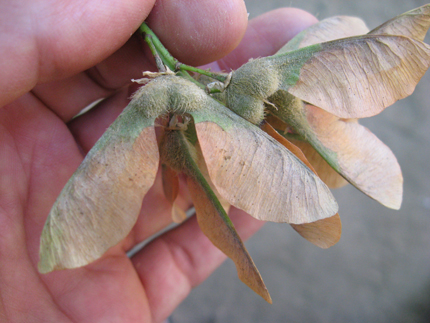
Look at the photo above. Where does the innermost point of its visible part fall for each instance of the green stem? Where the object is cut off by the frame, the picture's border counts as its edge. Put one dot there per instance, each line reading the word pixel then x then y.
pixel 168 59
pixel 158 60
pixel 216 76
pixel 160 52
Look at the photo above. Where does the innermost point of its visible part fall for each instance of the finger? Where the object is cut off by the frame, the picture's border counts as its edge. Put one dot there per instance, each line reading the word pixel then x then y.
pixel 215 29
pixel 116 71
pixel 181 259
pixel 69 96
pixel 62 39
pixel 64 96
pixel 266 34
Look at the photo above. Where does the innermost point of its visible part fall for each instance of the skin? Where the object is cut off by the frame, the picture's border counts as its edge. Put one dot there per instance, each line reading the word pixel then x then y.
pixel 57 57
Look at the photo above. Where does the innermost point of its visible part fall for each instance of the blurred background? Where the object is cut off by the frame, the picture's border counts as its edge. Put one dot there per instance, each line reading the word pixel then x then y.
pixel 380 269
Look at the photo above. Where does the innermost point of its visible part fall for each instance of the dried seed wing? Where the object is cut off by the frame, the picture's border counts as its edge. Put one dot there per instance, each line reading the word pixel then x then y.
pixel 211 216
pixel 327 174
pixel 170 183
pixel 348 147
pixel 414 24
pixel 323 233
pixel 178 215
pixel 101 202
pixel 356 77
pixel 216 225
pixel 326 30
pixel 204 170
pixel 287 144
pixel 255 173
pixel 365 161
pixel 171 189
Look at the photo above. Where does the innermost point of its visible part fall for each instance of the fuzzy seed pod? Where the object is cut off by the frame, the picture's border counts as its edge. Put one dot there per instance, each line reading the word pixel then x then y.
pixel 249 88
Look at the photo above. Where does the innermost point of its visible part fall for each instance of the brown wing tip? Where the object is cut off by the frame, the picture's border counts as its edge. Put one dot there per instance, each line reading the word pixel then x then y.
pixel 257 286
pixel 267 297
pixel 323 233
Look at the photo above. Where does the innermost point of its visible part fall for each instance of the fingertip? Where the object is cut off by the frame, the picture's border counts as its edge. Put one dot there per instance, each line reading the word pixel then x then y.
pixel 198 32
pixel 267 33
pixel 285 23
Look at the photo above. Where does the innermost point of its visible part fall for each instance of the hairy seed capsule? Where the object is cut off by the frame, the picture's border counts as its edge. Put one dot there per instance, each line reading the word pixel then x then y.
pixel 249 88
pixel 169 93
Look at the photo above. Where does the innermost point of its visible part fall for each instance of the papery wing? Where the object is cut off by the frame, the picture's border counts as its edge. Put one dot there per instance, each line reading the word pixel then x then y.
pixel 101 202
pixel 171 189
pixel 327 174
pixel 220 230
pixel 351 150
pixel 364 160
pixel 323 233
pixel 254 172
pixel 413 24
pixel 326 30
pixel 354 77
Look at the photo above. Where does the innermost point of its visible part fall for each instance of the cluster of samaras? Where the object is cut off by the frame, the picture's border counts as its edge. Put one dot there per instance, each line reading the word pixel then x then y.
pixel 258 145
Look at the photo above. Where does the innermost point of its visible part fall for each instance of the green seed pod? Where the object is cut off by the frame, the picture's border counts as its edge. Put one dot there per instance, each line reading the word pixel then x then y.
pixel 168 93
pixel 249 88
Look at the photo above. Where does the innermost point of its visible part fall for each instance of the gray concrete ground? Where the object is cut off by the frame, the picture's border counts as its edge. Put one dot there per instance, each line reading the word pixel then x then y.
pixel 380 269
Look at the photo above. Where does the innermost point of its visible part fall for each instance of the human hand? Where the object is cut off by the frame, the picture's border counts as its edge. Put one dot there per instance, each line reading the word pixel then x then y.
pixel 56 59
